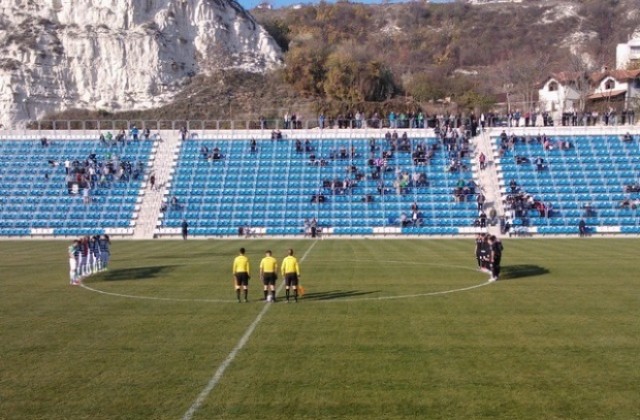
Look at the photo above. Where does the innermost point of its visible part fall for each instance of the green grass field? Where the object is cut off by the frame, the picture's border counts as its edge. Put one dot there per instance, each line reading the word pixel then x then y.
pixel 378 335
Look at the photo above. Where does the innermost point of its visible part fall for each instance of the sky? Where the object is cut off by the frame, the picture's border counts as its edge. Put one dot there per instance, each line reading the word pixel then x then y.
pixel 249 4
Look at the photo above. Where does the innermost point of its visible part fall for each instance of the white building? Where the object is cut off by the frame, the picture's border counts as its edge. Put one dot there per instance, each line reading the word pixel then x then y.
pixel 559 93
pixel 628 54
pixel 611 89
pixel 617 88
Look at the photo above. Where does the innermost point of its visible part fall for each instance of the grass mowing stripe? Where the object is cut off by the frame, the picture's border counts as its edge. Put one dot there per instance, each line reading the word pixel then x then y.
pixel 215 379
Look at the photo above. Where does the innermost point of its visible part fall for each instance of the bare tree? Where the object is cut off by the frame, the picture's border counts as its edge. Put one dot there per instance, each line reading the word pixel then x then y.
pixel 580 69
pixel 523 75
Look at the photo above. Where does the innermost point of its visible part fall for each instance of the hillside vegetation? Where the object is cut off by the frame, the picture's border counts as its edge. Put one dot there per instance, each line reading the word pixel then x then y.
pixel 346 56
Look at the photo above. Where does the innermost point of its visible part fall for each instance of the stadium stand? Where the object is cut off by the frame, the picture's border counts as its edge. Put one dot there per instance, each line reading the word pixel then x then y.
pixel 278 187
pixel 273 189
pixel 588 177
pixel 40 197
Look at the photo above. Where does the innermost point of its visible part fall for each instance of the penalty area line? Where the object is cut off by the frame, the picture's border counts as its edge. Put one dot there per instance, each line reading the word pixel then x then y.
pixel 217 376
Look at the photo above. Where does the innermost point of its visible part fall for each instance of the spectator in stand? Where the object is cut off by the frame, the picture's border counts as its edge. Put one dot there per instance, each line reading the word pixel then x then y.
pixel 392 120
pixel 175 203
pixel 627 138
pixel 482 159
pixel 589 211
pixel 539 163
pixel 513 185
pixel 483 219
pixel 629 203
pixel 566 145
pixel 204 151
pixel 416 219
pixel 548 144
pixel 480 200
pixel 183 132
pixel 134 133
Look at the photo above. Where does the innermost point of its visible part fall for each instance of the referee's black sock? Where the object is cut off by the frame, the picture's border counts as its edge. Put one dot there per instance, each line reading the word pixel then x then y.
pixel 265 294
pixel 286 293
pixel 238 294
pixel 273 294
pixel 246 293
pixel 295 294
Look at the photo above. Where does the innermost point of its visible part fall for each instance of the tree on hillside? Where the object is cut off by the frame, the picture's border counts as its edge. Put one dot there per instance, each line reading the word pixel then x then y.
pixel 523 75
pixel 580 69
pixel 600 16
pixel 353 77
pixel 306 68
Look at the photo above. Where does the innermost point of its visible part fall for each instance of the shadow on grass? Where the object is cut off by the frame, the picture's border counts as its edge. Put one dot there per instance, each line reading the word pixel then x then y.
pixel 512 272
pixel 137 273
pixel 336 294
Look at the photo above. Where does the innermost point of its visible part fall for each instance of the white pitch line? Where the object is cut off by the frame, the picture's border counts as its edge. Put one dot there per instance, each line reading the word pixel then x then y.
pixel 154 297
pixel 215 379
pixel 443 292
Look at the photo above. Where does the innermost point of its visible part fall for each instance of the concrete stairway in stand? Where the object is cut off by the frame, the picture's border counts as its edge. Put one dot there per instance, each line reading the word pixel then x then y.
pixel 162 165
pixel 487 179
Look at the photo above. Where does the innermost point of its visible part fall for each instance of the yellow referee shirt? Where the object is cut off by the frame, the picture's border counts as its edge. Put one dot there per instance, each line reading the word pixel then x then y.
pixel 241 264
pixel 268 265
pixel 290 265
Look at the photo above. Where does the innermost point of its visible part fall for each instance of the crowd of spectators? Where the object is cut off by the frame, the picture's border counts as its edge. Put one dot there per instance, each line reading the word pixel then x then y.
pixel 589 118
pixel 508 142
pixel 519 204
pixel 92 173
pixel 394 119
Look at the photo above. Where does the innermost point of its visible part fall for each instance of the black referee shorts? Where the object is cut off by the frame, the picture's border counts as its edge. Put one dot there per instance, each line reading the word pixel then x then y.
pixel 291 279
pixel 242 279
pixel 269 279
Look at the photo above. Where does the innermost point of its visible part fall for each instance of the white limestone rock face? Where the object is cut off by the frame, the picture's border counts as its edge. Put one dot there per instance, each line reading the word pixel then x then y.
pixel 118 54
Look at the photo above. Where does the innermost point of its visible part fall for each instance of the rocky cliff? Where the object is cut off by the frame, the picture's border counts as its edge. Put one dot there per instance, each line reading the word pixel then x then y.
pixel 118 54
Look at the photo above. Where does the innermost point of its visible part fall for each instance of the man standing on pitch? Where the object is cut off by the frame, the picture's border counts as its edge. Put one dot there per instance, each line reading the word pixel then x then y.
pixel 269 275
pixel 73 252
pixel 241 275
pixel 185 229
pixel 291 274
pixel 496 256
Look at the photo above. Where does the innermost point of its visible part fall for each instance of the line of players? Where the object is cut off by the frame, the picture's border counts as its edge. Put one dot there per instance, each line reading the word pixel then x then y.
pixel 290 270
pixel 489 254
pixel 88 255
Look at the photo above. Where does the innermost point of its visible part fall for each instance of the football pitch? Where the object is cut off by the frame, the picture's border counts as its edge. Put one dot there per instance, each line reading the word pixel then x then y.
pixel 386 329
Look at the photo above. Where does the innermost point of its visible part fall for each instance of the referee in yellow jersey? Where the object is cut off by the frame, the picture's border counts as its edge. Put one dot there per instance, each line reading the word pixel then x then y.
pixel 291 274
pixel 269 275
pixel 241 274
